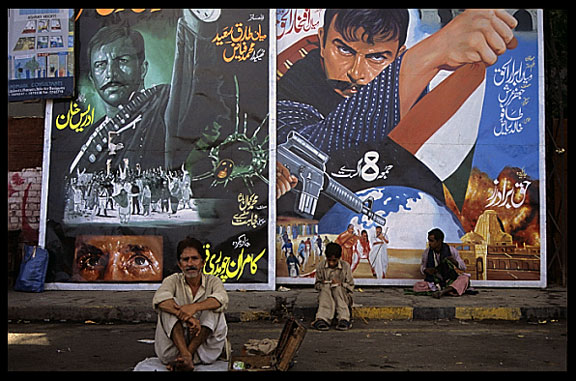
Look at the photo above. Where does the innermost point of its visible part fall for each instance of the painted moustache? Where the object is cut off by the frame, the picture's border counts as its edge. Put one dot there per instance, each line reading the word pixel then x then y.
pixel 111 84
pixel 344 85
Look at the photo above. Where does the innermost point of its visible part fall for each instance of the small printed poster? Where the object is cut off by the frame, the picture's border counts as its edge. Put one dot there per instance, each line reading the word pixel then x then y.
pixel 40 53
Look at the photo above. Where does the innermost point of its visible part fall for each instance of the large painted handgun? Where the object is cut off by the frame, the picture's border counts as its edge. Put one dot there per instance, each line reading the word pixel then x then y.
pixel 308 164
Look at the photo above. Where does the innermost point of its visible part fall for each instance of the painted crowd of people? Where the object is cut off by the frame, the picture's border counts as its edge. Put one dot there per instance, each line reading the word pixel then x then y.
pixel 126 192
pixel 302 254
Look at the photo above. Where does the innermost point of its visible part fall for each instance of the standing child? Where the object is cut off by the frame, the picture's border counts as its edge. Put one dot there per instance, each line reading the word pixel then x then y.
pixel 335 282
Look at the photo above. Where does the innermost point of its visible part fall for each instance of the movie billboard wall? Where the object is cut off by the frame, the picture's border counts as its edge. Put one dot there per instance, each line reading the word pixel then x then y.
pixel 40 53
pixel 167 137
pixel 179 114
pixel 376 170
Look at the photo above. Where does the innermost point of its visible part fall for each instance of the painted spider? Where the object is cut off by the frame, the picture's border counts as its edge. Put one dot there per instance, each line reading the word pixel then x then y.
pixel 239 156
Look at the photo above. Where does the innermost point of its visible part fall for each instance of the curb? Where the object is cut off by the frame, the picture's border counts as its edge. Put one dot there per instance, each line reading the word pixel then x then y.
pixel 105 313
pixel 383 313
pixel 460 313
pixel 420 313
pixel 376 304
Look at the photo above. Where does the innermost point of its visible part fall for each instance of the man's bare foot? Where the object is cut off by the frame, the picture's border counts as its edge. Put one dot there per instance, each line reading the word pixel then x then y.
pixel 181 364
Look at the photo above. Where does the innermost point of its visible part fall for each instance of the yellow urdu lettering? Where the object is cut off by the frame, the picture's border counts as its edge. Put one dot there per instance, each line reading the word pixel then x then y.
pixel 226 268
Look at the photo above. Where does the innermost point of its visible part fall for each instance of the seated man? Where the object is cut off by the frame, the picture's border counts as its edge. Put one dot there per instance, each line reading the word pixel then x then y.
pixel 191 327
pixel 438 265
pixel 335 282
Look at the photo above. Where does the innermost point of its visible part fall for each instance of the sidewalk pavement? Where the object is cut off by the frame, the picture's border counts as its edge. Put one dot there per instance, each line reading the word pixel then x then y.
pixel 532 304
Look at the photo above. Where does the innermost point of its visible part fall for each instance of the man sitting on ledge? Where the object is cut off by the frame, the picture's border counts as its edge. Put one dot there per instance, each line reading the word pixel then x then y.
pixel 438 265
pixel 191 327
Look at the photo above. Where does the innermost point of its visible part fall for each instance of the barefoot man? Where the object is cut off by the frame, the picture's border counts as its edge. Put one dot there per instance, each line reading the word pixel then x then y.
pixel 191 327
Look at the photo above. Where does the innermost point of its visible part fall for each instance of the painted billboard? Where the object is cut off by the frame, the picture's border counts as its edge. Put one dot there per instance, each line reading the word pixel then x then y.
pixel 167 137
pixel 391 122
pixel 269 133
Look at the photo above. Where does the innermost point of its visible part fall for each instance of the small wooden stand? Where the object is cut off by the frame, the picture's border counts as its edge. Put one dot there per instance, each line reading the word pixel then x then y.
pixel 280 359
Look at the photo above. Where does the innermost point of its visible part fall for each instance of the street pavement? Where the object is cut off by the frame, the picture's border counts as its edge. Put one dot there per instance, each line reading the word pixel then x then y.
pixel 497 329
pixel 375 345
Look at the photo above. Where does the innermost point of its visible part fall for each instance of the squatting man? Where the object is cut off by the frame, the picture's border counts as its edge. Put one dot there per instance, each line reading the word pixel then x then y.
pixel 438 265
pixel 191 327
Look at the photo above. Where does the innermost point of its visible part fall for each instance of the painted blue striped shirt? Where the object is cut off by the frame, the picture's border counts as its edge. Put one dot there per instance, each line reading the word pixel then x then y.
pixel 367 116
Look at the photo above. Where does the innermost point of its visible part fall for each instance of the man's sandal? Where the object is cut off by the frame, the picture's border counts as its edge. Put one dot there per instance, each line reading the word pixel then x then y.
pixel 320 325
pixel 343 325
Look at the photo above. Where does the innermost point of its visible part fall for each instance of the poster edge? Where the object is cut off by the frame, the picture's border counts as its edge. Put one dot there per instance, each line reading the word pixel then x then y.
pixel 48 108
pixel 272 148
pixel 542 152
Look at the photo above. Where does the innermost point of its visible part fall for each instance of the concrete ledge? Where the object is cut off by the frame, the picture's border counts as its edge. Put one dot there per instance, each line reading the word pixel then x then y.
pixel 485 313
pixel 383 313
pixel 383 304
pixel 114 313
pixel 433 313
pixel 544 313
pixel 460 313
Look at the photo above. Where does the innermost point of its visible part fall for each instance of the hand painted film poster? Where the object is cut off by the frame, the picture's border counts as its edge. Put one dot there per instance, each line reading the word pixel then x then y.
pixel 387 127
pixel 391 129
pixel 167 137
pixel 40 53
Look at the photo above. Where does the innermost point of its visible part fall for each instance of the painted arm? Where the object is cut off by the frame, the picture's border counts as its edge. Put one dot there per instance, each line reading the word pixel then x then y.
pixel 474 36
